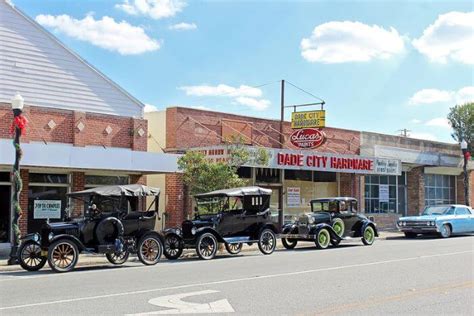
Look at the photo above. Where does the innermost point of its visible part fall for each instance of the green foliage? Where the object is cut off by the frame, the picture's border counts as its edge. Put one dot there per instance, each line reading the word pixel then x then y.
pixel 461 118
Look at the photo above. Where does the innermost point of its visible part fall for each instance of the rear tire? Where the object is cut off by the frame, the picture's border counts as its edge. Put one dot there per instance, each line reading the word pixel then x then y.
pixel 233 249
pixel 323 238
pixel 150 249
pixel 173 247
pixel 368 236
pixel 206 246
pixel 117 257
pixel 267 241
pixel 338 226
pixel 63 255
pixel 29 256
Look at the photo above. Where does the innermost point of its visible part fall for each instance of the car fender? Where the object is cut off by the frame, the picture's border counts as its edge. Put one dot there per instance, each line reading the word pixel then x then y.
pixel 369 223
pixel 33 237
pixel 74 239
pixel 316 228
pixel 288 228
pixel 269 226
pixel 211 230
pixel 174 230
pixel 141 234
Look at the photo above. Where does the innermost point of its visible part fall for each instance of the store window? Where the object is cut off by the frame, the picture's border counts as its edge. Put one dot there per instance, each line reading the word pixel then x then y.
pixel 300 175
pixel 47 198
pixel 322 176
pixel 266 175
pixel 244 172
pixel 5 206
pixel 385 194
pixel 440 189
pixel 95 181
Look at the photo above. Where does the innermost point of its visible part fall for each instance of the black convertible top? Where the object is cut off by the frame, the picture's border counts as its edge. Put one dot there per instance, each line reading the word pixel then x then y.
pixel 119 190
pixel 242 191
pixel 339 198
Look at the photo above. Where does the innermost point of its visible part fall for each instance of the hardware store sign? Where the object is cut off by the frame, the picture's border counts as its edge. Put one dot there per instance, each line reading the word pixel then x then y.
pixel 47 209
pixel 308 119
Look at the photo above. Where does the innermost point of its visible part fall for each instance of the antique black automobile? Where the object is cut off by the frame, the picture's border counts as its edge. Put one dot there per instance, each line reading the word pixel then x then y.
pixel 232 216
pixel 330 221
pixel 111 225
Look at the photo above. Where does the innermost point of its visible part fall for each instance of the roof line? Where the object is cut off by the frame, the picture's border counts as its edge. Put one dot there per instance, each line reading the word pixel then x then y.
pixel 85 62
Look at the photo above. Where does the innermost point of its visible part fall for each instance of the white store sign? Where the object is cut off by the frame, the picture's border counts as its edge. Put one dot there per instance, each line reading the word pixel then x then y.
pixel 293 197
pixel 383 192
pixel 44 209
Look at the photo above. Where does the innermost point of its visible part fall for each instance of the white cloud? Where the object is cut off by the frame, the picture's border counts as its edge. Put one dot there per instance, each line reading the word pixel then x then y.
pixel 183 26
pixel 429 96
pixel 105 33
pixel 156 9
pixel 150 108
pixel 439 122
pixel 426 136
pixel 450 37
pixel 222 90
pixel 339 42
pixel 256 104
pixel 415 121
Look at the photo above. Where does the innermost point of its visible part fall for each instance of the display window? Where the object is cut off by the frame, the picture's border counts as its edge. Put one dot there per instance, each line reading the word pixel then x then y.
pixel 440 189
pixel 5 206
pixel 385 194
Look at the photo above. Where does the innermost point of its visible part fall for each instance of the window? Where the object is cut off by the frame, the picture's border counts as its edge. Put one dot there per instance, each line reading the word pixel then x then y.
pixel 266 175
pixel 322 176
pixel 385 194
pixel 301 175
pixel 244 172
pixel 439 189
pixel 93 181
pixel 4 177
pixel 462 211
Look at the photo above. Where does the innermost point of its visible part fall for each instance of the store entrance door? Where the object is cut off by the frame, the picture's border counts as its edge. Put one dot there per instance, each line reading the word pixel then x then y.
pixel 5 213
pixel 276 204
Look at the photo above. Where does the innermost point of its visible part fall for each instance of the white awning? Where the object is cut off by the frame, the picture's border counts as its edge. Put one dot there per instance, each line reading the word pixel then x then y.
pixel 66 156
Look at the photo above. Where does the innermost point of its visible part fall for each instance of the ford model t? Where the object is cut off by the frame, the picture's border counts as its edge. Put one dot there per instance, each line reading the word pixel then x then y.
pixel 330 221
pixel 111 225
pixel 232 217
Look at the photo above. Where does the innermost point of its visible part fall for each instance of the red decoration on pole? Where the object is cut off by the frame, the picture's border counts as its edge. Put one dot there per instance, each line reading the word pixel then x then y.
pixel 467 155
pixel 19 121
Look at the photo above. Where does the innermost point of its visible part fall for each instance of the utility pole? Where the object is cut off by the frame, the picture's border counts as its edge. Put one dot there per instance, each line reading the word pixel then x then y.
pixel 404 132
pixel 282 144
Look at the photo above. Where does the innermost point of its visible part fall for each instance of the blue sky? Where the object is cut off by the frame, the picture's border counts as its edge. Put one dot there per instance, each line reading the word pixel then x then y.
pixel 380 65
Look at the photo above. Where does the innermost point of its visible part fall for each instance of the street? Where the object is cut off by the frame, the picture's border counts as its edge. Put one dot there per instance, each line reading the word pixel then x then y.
pixel 399 276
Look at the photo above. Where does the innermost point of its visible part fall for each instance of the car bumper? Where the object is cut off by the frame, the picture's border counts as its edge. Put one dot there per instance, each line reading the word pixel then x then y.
pixel 419 230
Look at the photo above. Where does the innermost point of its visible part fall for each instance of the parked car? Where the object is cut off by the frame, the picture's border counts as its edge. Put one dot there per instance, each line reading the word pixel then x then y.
pixel 330 221
pixel 111 225
pixel 444 220
pixel 231 216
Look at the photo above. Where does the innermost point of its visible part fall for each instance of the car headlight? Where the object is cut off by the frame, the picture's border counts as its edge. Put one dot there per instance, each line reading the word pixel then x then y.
pixel 178 231
pixel 36 237
pixel 50 236
pixel 193 231
pixel 404 223
pixel 310 219
pixel 432 223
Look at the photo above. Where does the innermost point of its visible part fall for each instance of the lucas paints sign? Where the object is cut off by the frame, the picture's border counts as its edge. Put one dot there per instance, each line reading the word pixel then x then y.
pixel 308 138
pixel 43 209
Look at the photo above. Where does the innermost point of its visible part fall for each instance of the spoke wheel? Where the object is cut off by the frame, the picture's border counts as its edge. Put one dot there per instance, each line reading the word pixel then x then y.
pixel 63 255
pixel 368 236
pixel 173 247
pixel 233 249
pixel 445 231
pixel 267 241
pixel 30 257
pixel 150 249
pixel 323 239
pixel 118 257
pixel 338 226
pixel 206 246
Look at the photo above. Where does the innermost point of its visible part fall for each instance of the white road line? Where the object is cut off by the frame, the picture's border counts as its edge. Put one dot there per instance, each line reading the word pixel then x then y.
pixel 253 278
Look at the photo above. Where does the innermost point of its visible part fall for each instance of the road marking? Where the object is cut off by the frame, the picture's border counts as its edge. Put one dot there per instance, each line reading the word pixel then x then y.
pixel 252 278
pixel 178 306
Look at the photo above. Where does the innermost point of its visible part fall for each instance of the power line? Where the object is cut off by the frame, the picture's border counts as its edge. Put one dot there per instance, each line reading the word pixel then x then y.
pixel 303 90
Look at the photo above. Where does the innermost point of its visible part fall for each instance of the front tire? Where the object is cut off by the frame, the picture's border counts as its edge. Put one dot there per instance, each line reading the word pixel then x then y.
pixel 233 249
pixel 445 231
pixel 63 255
pixel 323 238
pixel 410 235
pixel 267 241
pixel 29 256
pixel 368 236
pixel 117 257
pixel 173 247
pixel 150 249
pixel 289 243
pixel 206 246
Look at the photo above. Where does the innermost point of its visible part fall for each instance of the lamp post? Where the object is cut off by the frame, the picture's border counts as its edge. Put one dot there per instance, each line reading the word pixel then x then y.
pixel 465 154
pixel 17 127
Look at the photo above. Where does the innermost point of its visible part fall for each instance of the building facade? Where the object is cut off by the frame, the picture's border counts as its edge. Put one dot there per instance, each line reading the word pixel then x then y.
pixel 391 176
pixel 83 130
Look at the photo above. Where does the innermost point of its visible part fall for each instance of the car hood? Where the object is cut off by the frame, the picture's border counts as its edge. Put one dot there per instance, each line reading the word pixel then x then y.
pixel 62 225
pixel 419 218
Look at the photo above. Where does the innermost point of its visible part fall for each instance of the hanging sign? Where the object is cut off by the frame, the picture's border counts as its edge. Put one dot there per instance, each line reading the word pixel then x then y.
pixel 43 209
pixel 308 138
pixel 383 192
pixel 293 197
pixel 308 119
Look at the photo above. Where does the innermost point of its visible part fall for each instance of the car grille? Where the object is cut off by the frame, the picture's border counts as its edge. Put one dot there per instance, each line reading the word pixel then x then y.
pixel 187 226
pixel 303 220
pixel 417 224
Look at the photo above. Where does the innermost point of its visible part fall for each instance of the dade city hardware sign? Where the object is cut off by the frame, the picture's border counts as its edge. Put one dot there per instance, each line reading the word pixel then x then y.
pixel 310 160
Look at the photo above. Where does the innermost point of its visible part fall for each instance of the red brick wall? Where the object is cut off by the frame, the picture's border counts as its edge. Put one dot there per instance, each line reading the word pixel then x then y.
pixel 78 184
pixel 25 176
pixel 175 206
pixel 460 188
pixel 415 191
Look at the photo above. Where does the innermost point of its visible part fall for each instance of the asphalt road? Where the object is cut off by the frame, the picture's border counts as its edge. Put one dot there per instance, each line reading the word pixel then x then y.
pixel 398 276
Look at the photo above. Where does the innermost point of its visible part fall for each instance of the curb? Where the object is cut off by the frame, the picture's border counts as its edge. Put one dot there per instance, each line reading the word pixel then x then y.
pixel 86 260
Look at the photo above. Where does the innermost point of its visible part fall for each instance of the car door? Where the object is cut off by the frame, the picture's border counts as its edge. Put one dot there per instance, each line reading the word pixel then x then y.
pixel 462 220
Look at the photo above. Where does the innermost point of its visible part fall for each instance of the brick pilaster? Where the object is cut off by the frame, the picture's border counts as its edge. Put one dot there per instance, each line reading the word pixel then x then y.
pixel 78 184
pixel 25 176
pixel 139 134
pixel 416 191
pixel 174 200
pixel 79 137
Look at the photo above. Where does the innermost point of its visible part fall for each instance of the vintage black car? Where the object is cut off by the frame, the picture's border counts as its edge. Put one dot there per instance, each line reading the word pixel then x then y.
pixel 232 216
pixel 330 221
pixel 110 225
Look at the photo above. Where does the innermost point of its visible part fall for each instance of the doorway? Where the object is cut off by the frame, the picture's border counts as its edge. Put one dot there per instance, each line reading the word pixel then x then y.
pixel 5 213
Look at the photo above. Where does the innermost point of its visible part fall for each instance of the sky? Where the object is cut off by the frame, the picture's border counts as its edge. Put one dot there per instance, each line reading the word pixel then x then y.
pixel 380 66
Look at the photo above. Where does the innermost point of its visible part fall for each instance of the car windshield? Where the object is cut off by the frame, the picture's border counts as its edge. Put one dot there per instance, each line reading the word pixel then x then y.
pixel 217 204
pixel 438 210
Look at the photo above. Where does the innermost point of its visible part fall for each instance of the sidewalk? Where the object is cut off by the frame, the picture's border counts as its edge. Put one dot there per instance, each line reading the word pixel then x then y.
pixel 89 260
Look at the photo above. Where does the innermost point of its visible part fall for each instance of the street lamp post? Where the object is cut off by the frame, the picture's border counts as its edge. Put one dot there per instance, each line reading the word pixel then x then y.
pixel 465 154
pixel 17 127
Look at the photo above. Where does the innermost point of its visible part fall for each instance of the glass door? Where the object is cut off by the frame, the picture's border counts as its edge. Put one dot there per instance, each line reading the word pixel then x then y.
pixel 5 213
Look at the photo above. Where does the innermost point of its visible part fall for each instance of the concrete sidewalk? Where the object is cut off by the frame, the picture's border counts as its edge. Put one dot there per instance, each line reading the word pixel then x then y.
pixel 89 260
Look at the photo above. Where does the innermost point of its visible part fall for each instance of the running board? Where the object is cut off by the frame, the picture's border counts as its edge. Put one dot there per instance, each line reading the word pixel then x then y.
pixel 238 240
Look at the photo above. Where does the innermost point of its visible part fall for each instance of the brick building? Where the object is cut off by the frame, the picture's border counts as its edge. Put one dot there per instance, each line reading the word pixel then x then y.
pixel 405 174
pixel 84 130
